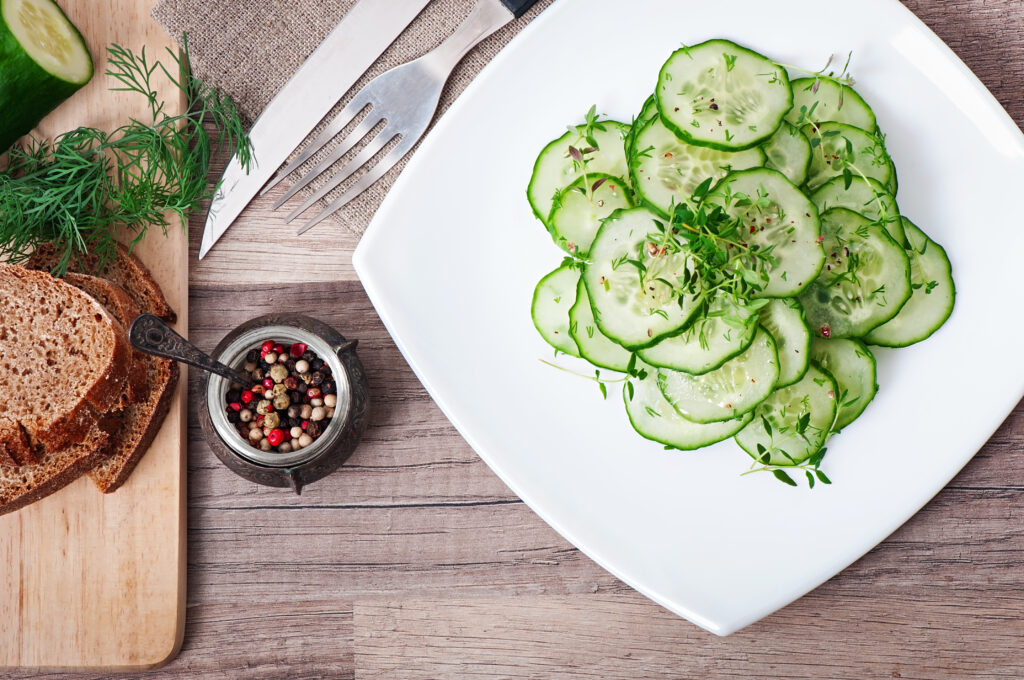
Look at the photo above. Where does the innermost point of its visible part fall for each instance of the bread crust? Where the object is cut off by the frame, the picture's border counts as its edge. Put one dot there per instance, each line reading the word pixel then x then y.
pixel 124 269
pixel 146 419
pixel 57 469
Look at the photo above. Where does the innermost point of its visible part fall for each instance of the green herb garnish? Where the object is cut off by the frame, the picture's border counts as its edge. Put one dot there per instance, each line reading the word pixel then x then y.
pixel 77 190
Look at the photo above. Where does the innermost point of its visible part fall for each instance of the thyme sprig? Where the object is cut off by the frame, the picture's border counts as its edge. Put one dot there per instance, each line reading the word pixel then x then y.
pixel 78 190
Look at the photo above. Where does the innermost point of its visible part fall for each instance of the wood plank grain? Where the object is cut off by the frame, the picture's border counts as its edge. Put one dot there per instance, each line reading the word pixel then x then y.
pixel 624 636
pixel 88 579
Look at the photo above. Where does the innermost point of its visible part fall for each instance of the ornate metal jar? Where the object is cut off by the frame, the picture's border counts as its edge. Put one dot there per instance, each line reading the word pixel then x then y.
pixel 303 466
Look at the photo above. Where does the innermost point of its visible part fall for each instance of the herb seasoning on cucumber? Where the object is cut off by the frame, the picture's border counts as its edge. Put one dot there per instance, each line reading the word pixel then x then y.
pixel 753 253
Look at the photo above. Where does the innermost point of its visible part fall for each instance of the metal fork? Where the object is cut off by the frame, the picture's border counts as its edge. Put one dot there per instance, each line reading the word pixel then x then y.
pixel 405 98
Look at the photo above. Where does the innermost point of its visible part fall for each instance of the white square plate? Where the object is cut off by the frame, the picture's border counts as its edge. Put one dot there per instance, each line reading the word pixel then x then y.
pixel 452 258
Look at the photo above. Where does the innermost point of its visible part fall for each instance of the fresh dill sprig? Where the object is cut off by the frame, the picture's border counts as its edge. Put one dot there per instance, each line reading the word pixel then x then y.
pixel 80 189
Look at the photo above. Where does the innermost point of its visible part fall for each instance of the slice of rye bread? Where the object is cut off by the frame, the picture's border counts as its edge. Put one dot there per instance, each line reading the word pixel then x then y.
pixel 24 484
pixel 124 309
pixel 140 425
pixel 63 358
pixel 143 417
pixel 124 269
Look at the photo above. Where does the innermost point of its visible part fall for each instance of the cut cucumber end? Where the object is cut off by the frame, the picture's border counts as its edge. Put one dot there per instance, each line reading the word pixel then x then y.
pixel 49 39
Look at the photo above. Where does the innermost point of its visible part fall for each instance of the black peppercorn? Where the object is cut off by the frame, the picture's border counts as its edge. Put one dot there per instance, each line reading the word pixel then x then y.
pixel 301 389
pixel 316 364
pixel 316 378
pixel 314 429
pixel 308 355
pixel 233 396
pixel 253 356
pixel 290 365
pixel 233 416
pixel 328 387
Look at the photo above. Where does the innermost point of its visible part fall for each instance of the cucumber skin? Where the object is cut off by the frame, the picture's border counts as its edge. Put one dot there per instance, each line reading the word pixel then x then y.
pixel 27 92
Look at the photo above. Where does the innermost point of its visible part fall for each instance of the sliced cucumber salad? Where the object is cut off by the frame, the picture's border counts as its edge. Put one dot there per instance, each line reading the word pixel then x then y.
pixel 732 255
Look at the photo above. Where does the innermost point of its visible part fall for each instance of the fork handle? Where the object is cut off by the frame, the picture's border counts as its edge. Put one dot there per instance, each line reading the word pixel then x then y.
pixel 518 7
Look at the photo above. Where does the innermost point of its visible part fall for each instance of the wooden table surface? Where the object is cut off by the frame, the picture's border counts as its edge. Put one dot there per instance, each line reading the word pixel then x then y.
pixel 415 561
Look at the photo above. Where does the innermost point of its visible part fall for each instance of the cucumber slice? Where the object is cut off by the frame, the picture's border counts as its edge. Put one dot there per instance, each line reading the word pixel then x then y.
pixel 728 392
pixel 592 343
pixel 789 152
pixel 865 196
pixel 579 209
pixel 838 148
pixel 774 214
pixel 552 300
pixel 726 330
pixel 43 61
pixel 647 113
pixel 818 100
pixel 556 169
pixel 632 309
pixel 721 95
pixel 655 419
pixel 814 394
pixel 931 299
pixel 852 366
pixel 865 282
pixel 665 170
pixel 893 184
pixel 784 319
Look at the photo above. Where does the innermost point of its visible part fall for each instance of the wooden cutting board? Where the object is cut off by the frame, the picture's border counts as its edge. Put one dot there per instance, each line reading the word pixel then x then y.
pixel 91 580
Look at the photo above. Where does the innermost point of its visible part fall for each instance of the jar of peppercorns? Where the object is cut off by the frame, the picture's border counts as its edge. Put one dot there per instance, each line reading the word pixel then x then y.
pixel 303 409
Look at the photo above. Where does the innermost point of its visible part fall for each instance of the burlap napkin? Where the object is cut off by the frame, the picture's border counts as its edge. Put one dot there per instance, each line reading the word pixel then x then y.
pixel 250 49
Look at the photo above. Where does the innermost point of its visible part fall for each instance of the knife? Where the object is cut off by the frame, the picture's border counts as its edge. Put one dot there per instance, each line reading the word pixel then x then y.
pixel 329 72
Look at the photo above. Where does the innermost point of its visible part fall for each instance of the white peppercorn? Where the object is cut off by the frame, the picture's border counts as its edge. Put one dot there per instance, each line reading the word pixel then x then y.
pixel 330 400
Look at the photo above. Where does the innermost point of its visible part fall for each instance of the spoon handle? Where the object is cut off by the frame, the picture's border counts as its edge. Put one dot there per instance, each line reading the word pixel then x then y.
pixel 151 335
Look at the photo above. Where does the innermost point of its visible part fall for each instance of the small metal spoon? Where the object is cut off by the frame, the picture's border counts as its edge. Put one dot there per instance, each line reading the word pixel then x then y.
pixel 151 335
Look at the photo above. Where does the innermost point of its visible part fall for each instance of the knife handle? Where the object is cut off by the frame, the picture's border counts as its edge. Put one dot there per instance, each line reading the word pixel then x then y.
pixel 518 7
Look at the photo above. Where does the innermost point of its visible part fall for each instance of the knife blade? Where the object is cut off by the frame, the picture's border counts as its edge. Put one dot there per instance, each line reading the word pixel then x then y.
pixel 329 72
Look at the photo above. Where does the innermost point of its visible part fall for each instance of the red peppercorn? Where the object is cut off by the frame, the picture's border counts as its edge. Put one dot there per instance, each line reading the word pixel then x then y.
pixel 275 437
pixel 259 421
pixel 235 406
pixel 267 346
pixel 826 331
pixel 257 389
pixel 305 424
pixel 247 396
pixel 314 393
pixel 279 348
pixel 268 384
pixel 297 350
